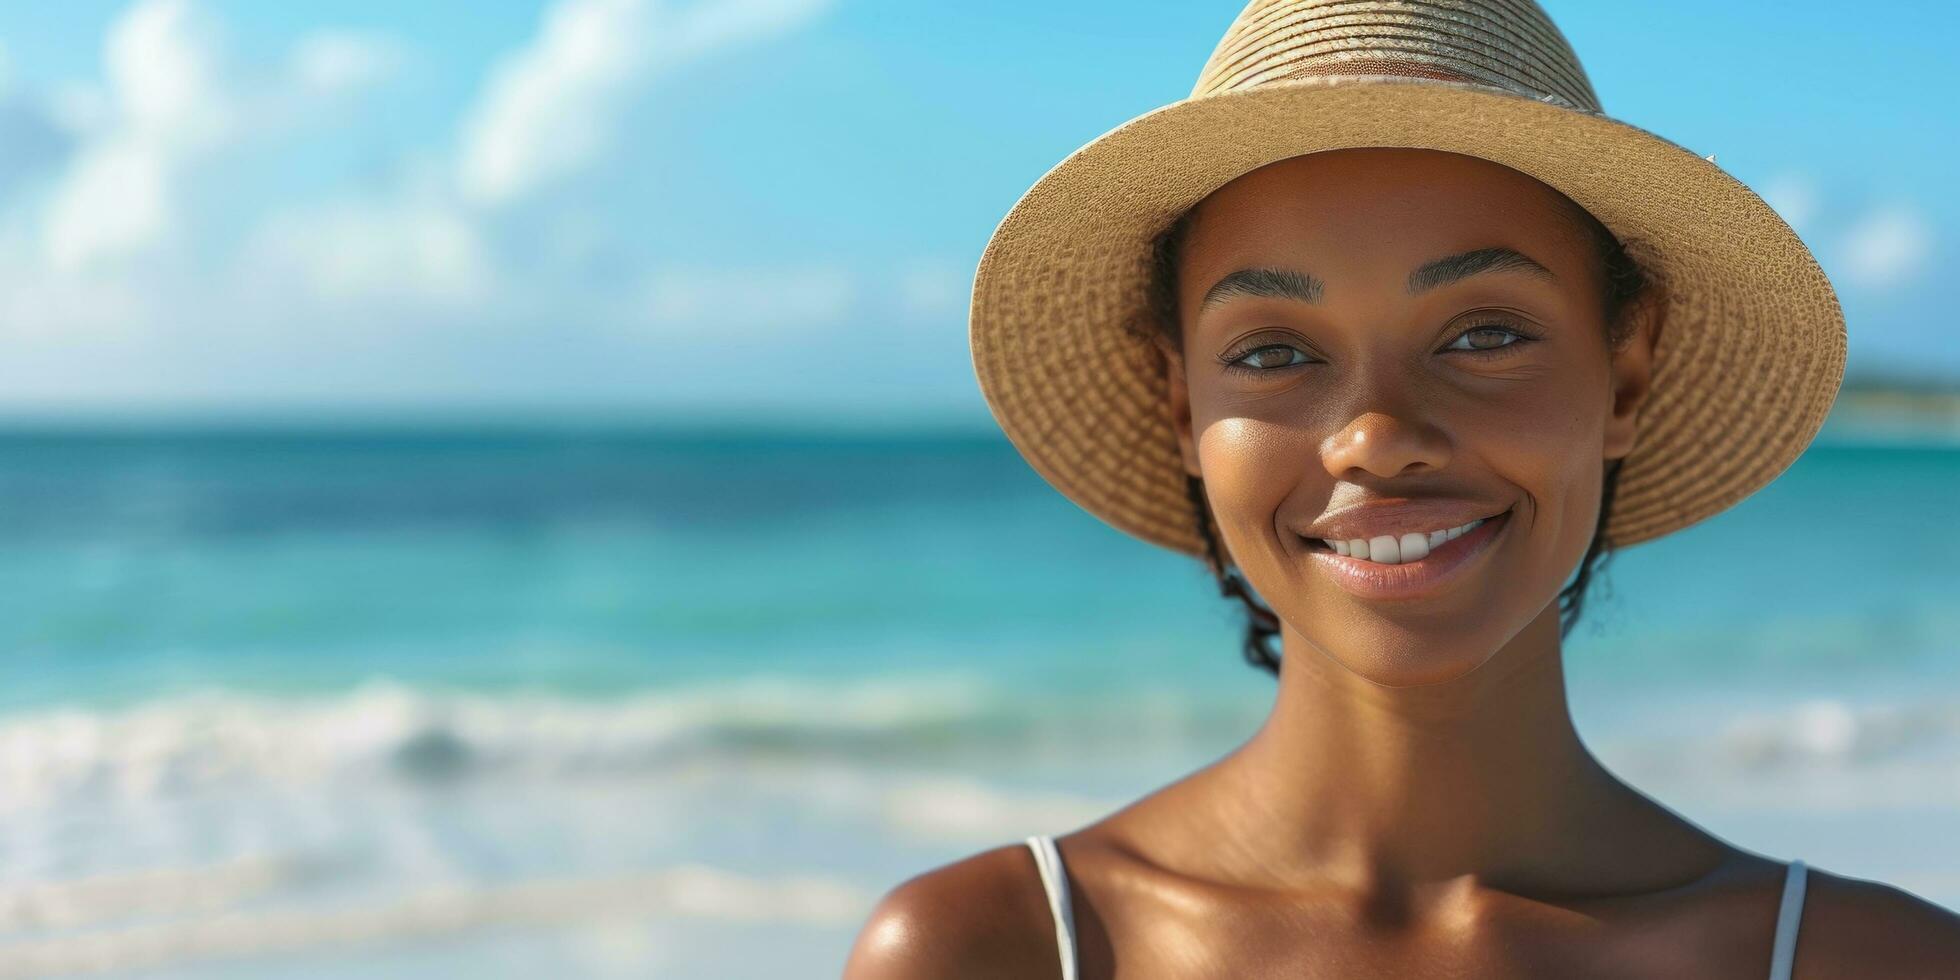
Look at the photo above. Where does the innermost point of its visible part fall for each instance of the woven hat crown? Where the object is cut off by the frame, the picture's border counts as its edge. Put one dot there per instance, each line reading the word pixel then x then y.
pixel 1509 44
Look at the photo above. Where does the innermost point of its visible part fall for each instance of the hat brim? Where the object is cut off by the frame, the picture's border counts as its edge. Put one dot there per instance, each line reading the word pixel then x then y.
pixel 1749 360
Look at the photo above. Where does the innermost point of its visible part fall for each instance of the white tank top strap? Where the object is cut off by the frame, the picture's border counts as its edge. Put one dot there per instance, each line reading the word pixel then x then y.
pixel 1783 955
pixel 1054 880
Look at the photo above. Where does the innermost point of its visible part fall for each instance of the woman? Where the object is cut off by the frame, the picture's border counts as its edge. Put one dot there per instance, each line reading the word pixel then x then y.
pixel 1392 327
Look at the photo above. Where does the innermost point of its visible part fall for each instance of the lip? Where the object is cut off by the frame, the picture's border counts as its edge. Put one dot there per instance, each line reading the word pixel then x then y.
pixel 1436 572
pixel 1395 516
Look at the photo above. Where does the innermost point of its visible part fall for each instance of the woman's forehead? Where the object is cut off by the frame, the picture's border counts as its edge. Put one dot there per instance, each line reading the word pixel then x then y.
pixel 1386 203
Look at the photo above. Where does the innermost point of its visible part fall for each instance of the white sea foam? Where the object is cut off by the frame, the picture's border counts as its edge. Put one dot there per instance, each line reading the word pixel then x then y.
pixel 1820 754
pixel 194 828
pixel 190 745
pixel 90 899
pixel 686 891
pixel 199 742
pixel 972 812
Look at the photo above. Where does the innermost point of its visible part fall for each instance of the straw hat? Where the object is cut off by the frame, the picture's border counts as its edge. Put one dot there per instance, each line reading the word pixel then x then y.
pixel 1752 348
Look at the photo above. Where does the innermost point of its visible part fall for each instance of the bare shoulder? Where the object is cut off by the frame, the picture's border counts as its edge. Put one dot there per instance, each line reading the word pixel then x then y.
pixel 1858 927
pixel 979 917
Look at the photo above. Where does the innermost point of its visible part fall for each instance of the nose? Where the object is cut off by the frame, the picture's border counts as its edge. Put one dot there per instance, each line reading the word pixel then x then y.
pixel 1385 444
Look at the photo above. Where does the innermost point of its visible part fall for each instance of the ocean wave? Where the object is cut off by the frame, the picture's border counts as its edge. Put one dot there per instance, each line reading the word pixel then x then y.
pixel 949 722
pixel 1815 754
pixel 1831 732
pixel 258 825
pixel 690 891
pixel 181 744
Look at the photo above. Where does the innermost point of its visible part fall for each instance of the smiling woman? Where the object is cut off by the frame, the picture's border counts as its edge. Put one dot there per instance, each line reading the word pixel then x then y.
pixel 1391 326
pixel 1617 278
pixel 1418 430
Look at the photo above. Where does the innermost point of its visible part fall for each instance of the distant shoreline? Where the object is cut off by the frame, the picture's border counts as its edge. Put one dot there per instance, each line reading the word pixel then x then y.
pixel 1886 408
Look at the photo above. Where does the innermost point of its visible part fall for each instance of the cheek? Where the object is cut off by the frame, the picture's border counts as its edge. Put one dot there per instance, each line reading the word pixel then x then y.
pixel 1249 468
pixel 1551 444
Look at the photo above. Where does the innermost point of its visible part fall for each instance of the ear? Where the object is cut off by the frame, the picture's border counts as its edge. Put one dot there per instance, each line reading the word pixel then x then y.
pixel 1180 407
pixel 1632 378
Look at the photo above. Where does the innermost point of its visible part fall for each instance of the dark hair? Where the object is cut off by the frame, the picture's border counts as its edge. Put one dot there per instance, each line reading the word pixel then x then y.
pixel 1625 285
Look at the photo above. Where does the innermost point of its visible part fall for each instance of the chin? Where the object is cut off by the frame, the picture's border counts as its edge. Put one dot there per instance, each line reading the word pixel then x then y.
pixel 1419 666
pixel 1397 656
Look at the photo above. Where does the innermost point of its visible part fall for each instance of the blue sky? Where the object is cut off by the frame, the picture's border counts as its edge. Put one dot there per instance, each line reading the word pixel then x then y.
pixel 739 208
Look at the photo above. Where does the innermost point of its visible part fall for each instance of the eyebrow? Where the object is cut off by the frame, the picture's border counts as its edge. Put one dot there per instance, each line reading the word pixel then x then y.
pixel 1463 265
pixel 1289 284
pixel 1264 283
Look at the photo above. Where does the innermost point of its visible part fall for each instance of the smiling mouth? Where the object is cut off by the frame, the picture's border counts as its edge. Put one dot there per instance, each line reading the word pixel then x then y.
pixel 1402 549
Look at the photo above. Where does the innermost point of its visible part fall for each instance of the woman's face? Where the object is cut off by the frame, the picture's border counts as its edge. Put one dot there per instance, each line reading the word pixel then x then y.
pixel 1337 383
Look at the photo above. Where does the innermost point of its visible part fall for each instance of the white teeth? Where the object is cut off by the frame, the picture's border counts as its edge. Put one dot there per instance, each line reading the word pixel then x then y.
pixel 1386 549
pixel 1397 549
pixel 1415 547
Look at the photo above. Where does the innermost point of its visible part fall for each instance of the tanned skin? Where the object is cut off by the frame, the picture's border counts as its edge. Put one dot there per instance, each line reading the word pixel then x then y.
pixel 1418 803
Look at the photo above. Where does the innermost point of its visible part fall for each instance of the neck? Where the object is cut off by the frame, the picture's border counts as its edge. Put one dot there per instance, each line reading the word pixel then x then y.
pixel 1482 776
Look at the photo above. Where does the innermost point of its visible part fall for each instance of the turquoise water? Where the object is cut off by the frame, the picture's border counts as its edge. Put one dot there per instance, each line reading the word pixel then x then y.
pixel 608 703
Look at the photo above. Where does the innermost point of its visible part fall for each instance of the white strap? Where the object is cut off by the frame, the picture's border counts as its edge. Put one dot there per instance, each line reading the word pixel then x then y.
pixel 1784 956
pixel 1054 880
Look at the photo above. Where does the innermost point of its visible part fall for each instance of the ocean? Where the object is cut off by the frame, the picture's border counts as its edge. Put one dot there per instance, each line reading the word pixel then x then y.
pixel 602 702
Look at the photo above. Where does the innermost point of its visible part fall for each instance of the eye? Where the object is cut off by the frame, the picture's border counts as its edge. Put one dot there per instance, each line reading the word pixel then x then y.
pixel 1486 339
pixel 1265 359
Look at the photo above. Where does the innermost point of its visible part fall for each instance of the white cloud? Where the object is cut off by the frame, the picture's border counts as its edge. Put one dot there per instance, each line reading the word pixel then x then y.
pixel 51 308
pixel 114 200
pixel 552 107
pixel 134 270
pixel 166 106
pixel 546 109
pixel 331 62
pixel 169 101
pixel 161 59
pixel 407 252
pixel 1887 247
